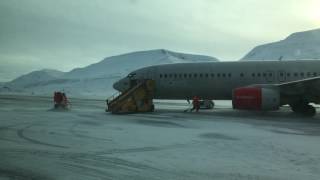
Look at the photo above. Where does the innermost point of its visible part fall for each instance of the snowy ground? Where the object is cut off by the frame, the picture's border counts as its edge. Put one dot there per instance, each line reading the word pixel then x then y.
pixel 87 143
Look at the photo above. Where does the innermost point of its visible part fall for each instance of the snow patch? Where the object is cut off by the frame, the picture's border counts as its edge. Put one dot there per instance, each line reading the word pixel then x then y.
pixel 297 46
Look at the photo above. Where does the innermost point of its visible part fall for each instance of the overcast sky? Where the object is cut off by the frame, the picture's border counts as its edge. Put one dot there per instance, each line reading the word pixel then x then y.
pixel 64 34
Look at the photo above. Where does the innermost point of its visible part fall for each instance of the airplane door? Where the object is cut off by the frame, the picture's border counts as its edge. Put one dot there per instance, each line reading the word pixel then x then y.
pixel 281 76
pixel 269 75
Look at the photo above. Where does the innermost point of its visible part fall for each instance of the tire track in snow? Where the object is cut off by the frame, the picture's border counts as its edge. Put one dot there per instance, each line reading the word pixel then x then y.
pixel 21 134
pixel 73 130
pixel 20 174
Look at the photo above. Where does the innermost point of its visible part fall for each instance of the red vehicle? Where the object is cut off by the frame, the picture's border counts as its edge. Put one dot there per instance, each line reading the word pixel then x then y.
pixel 60 100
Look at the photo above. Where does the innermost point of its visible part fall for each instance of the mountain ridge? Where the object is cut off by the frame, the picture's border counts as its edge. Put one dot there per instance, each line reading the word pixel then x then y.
pixel 303 45
pixel 96 79
pixel 120 64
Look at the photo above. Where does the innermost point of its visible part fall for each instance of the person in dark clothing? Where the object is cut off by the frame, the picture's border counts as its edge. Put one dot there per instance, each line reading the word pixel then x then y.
pixel 60 100
pixel 57 99
pixel 195 103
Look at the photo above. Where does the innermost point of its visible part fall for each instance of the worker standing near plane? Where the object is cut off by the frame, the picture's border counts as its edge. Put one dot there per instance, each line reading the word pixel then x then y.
pixel 195 103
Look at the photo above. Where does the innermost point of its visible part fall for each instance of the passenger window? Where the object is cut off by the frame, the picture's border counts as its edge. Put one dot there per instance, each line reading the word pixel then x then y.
pixel 258 74
pixel 190 75
pixel 201 75
pixel 175 75
pixel 170 75
pixel 241 75
pixel 160 75
pixel 253 74
pixel 223 75
pixel 270 75
pixel 264 75
pixel 308 74
pixel 180 75
pixel 314 74
pixel 195 75
pixel 302 74
pixel 229 75
pixel 295 74
pixel 218 75
pixel 288 74
pixel 207 75
pixel 165 75
pixel 212 75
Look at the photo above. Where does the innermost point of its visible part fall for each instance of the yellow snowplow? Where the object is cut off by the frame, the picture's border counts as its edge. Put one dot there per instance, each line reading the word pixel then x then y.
pixel 138 98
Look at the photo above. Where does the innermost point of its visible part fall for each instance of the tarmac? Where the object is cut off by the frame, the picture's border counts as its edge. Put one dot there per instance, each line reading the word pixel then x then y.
pixel 88 143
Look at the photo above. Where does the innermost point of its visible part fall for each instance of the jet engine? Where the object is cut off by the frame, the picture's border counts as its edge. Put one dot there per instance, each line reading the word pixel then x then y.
pixel 256 98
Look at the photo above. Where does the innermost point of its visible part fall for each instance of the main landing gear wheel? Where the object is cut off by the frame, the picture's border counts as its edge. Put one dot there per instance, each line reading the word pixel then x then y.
pixel 304 109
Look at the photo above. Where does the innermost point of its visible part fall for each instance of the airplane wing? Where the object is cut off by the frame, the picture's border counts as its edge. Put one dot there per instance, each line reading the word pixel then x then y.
pixel 309 87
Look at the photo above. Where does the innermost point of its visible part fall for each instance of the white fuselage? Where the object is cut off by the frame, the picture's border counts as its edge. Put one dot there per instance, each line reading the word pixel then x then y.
pixel 216 80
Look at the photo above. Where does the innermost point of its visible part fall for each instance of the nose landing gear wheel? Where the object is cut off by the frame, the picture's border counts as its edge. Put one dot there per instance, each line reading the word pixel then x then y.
pixel 311 111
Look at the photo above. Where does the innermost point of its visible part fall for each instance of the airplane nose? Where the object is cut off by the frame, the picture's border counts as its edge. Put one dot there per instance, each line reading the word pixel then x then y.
pixel 121 85
pixel 117 86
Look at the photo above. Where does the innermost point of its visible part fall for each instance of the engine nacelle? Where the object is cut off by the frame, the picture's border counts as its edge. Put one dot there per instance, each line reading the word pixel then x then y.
pixel 256 98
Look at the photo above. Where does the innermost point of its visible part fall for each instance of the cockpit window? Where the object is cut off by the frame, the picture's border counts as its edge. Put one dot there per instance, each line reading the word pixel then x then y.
pixel 131 75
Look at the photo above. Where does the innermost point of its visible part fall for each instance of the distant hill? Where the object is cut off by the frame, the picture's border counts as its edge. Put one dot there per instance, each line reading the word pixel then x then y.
pixel 123 64
pixel 298 46
pixel 96 79
pixel 35 78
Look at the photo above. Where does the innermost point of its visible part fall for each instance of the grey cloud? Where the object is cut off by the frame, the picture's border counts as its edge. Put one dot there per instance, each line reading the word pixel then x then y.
pixel 65 34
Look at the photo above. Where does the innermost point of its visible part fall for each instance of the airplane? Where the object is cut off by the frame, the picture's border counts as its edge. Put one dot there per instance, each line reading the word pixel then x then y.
pixel 251 85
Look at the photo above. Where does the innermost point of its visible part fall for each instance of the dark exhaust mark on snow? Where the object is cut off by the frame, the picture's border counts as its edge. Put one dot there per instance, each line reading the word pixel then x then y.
pixel 217 136
pixel 167 124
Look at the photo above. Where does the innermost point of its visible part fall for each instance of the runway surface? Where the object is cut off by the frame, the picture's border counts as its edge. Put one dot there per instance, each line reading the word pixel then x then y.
pixel 88 143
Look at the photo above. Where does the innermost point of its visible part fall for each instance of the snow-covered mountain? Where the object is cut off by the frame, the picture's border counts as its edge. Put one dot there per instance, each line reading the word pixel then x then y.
pixel 34 78
pixel 123 64
pixel 297 46
pixel 96 80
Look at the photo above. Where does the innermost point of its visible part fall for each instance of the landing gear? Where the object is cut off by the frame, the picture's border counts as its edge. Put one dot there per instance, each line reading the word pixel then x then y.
pixel 304 109
pixel 206 104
